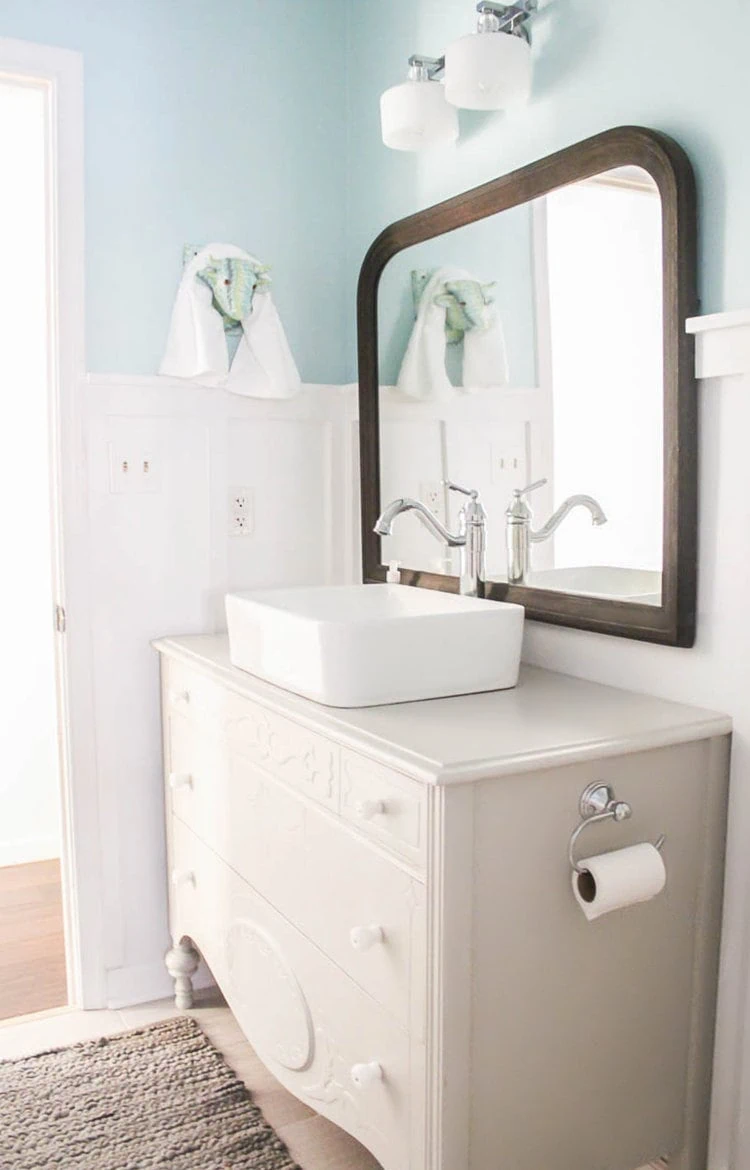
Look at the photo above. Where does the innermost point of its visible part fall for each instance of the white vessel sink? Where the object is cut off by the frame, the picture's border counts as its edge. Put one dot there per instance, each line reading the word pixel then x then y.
pixel 364 645
pixel 640 585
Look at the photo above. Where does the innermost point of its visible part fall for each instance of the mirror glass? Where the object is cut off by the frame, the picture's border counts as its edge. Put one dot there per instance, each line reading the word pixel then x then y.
pixel 526 349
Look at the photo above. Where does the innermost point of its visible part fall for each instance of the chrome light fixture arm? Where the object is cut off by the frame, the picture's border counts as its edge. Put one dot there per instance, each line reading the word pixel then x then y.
pixel 507 18
pixel 425 68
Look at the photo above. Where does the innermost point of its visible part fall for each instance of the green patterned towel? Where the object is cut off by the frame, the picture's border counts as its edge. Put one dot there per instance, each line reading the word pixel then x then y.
pixel 233 282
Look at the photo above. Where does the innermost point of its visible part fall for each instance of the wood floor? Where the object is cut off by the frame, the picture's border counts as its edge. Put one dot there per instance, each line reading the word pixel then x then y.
pixel 32 947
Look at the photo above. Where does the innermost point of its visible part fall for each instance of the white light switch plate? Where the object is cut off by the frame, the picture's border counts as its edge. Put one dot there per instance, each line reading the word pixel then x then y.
pixel 132 470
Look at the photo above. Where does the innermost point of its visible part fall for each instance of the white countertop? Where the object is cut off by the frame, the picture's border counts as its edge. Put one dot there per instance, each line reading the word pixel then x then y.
pixel 547 720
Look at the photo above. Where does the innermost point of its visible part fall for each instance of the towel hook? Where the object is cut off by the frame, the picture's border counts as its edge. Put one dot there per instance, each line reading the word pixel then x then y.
pixel 598 803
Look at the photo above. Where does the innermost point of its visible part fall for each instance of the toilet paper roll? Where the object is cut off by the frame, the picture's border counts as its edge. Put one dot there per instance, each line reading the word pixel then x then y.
pixel 621 878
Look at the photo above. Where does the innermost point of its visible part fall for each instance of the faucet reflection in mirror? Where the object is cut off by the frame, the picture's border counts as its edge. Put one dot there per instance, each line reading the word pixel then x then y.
pixel 471 537
pixel 519 535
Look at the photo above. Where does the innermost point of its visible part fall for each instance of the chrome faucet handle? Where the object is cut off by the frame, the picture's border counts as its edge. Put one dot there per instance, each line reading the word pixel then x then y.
pixel 530 487
pixel 472 512
pixel 455 487
pixel 518 511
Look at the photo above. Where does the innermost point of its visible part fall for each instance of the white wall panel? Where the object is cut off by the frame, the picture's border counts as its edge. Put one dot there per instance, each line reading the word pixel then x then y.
pixel 160 561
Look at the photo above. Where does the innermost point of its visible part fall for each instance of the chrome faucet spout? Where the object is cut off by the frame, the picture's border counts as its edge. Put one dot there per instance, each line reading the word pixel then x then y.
pixel 519 534
pixel 566 507
pixel 470 538
pixel 384 524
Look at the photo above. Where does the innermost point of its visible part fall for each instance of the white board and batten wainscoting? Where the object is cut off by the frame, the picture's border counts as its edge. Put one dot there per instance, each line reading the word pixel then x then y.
pixel 162 552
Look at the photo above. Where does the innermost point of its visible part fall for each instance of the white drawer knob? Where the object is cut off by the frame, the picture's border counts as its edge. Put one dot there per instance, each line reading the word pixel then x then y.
pixel 183 877
pixel 180 780
pixel 364 937
pixel 180 698
pixel 365 1075
pixel 367 809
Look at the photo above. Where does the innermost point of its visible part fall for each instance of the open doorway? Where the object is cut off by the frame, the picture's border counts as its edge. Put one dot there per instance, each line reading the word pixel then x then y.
pixel 34 901
pixel 32 947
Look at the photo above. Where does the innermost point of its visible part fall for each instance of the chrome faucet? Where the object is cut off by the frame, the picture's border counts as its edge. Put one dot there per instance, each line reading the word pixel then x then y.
pixel 470 538
pixel 519 535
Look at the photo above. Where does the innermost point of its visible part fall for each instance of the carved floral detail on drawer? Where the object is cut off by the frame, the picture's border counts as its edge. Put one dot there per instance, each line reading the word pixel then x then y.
pixel 330 1085
pixel 287 751
pixel 334 1087
pixel 273 1009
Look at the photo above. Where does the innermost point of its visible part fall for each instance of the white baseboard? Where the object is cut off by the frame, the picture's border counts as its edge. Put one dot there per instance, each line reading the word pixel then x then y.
pixel 30 849
pixel 128 986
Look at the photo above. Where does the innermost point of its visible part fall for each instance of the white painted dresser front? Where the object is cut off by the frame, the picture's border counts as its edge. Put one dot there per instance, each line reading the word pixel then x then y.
pixel 383 896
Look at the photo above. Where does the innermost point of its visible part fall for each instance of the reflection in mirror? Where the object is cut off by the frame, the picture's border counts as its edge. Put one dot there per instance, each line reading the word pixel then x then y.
pixel 521 356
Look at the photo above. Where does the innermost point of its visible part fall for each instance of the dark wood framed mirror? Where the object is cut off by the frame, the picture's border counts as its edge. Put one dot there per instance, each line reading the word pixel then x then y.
pixel 533 329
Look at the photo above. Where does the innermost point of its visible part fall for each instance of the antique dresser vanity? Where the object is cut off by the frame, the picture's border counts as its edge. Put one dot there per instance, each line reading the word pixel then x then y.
pixel 384 897
pixel 392 898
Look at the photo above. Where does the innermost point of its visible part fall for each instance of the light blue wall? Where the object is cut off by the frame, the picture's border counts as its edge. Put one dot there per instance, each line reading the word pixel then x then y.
pixel 206 121
pixel 672 65
pixel 247 120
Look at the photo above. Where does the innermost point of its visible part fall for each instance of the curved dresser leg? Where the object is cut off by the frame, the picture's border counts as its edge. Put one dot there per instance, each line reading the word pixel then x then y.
pixel 182 963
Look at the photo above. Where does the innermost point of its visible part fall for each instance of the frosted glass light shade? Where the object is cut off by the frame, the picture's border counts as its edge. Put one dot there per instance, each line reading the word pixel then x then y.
pixel 415 115
pixel 488 71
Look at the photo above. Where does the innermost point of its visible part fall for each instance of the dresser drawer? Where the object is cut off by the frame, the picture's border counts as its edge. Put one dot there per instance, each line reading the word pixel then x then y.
pixel 297 756
pixel 363 909
pixel 312 1026
pixel 385 805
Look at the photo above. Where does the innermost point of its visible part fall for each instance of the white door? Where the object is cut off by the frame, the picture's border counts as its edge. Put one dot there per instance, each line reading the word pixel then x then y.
pixel 48 786
pixel 30 776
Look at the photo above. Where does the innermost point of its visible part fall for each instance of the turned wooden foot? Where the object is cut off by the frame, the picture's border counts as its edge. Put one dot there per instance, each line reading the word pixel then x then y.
pixel 182 963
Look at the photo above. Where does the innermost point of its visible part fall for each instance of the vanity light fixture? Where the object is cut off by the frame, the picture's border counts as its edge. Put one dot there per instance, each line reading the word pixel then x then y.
pixel 415 114
pixel 491 68
pixel 486 70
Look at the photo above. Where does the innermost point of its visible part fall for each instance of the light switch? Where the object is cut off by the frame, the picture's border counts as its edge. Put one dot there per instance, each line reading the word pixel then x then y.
pixel 508 455
pixel 132 470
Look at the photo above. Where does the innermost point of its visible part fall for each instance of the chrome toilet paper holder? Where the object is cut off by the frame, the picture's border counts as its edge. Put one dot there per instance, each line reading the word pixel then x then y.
pixel 598 803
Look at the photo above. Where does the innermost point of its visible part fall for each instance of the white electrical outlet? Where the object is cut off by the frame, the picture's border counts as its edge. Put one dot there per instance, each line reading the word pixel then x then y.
pixel 132 470
pixel 241 519
pixel 432 493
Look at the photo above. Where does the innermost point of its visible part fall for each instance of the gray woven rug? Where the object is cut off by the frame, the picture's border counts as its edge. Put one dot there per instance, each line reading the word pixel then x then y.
pixel 155 1098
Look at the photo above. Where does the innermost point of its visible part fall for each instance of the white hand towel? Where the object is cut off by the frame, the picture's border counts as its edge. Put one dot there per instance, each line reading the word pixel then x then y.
pixel 423 374
pixel 263 366
pixel 485 356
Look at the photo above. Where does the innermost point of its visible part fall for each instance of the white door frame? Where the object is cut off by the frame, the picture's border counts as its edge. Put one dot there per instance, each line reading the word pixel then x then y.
pixel 60 73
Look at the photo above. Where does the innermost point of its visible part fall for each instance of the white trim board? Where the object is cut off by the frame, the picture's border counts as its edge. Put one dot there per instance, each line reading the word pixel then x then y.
pixel 722 343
